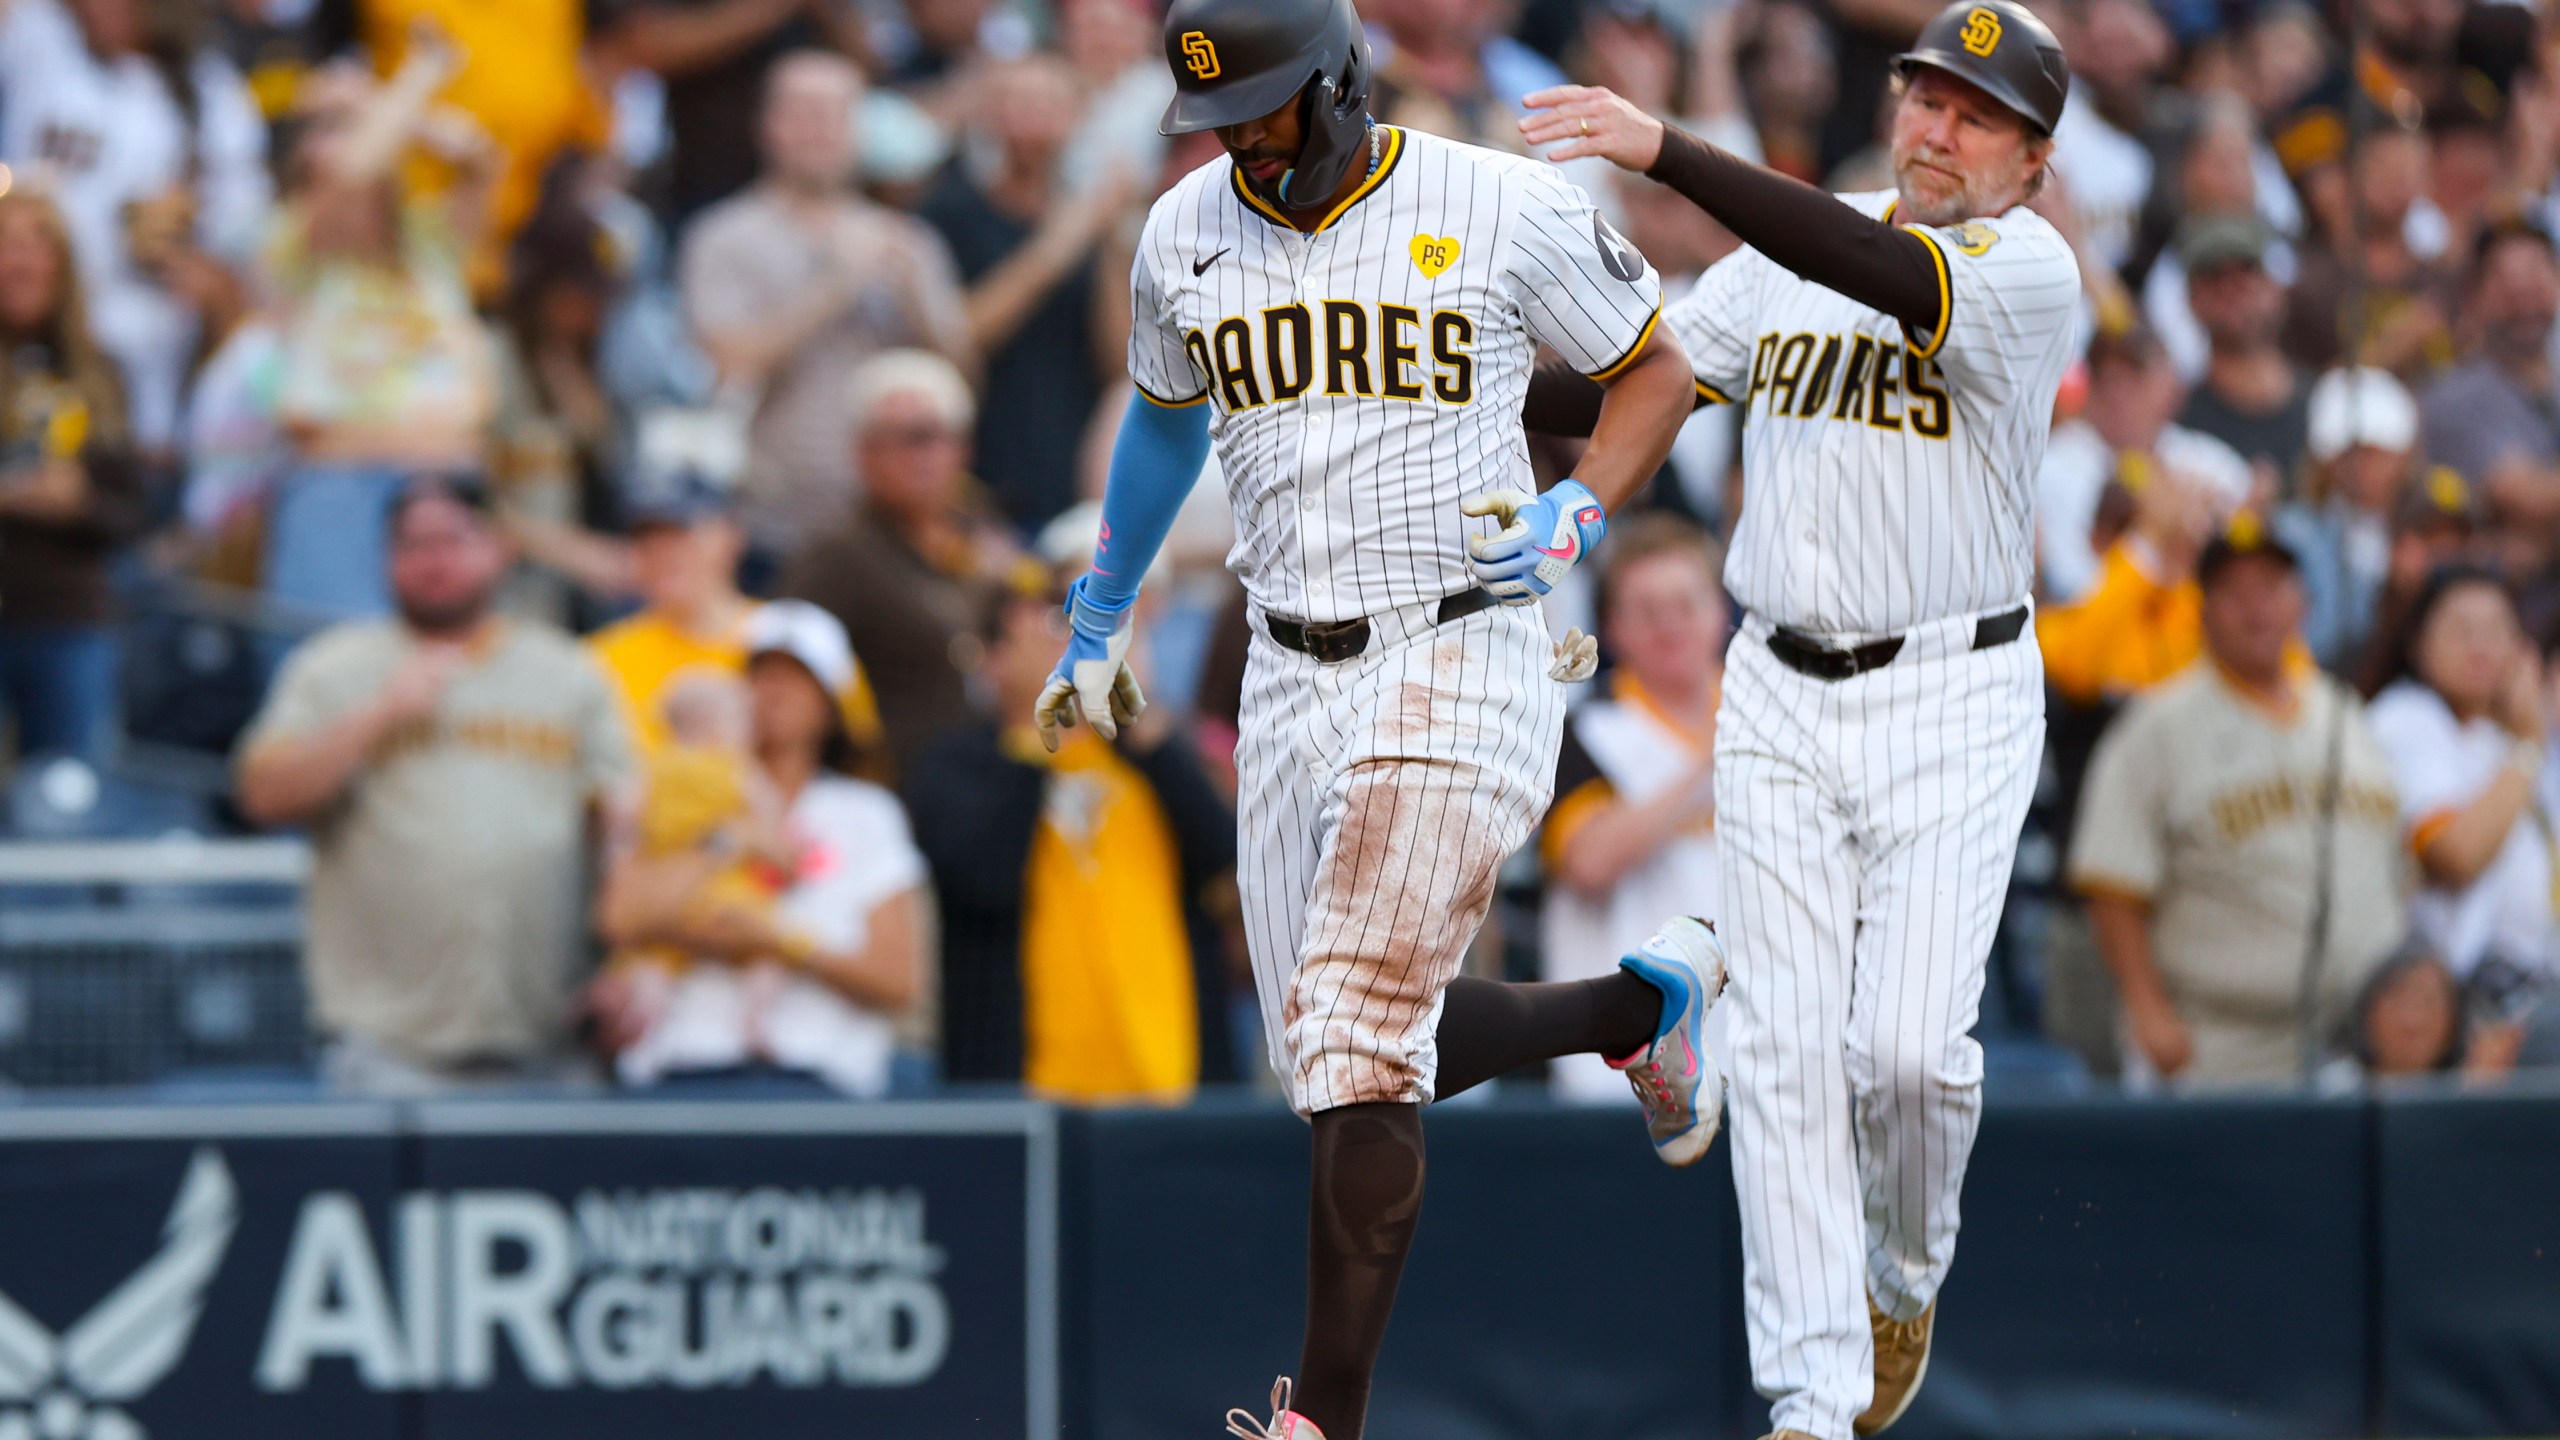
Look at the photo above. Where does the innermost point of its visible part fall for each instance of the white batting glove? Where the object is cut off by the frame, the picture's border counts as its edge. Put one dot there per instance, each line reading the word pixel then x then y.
pixel 1577 657
pixel 1093 678
pixel 1542 538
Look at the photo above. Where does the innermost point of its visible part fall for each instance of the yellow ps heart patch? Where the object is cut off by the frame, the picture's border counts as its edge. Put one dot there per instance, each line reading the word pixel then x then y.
pixel 1434 253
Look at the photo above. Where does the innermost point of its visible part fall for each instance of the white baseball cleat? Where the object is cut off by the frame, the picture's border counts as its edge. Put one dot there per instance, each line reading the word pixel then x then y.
pixel 1676 1076
pixel 1286 1424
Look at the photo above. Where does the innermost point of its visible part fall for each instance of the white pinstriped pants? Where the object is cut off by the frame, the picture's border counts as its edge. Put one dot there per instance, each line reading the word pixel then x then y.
pixel 1376 798
pixel 1865 832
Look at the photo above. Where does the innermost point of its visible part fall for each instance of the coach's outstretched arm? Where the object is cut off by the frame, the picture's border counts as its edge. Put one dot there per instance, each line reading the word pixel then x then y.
pixel 1153 463
pixel 1803 228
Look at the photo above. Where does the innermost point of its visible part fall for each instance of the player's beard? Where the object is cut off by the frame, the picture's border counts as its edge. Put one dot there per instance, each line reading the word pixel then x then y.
pixel 1939 192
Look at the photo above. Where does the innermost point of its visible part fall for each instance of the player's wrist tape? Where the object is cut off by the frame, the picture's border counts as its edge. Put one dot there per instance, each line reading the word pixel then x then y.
pixel 1091 617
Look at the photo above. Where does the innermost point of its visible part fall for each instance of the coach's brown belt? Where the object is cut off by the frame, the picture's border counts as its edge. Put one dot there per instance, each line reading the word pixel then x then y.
pixel 1338 640
pixel 1800 654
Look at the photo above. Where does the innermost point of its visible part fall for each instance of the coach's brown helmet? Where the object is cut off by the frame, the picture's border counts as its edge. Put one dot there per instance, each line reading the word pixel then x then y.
pixel 2000 48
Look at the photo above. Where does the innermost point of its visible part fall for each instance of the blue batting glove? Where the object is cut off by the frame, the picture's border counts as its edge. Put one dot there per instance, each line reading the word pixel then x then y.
pixel 1542 537
pixel 1093 680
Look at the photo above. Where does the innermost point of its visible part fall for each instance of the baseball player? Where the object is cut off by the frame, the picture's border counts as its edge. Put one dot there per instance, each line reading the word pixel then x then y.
pixel 1350 310
pixel 1897 355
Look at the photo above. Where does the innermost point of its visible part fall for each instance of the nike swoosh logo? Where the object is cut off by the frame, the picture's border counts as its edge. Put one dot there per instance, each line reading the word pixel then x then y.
pixel 1201 267
pixel 1564 554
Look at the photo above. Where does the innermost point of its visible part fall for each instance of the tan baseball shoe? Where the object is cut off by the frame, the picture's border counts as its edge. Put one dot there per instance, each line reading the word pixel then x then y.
pixel 1902 1359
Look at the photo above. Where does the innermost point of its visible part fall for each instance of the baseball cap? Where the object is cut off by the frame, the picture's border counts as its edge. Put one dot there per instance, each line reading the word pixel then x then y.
pixel 2441 500
pixel 2244 536
pixel 807 634
pixel 464 488
pixel 2362 406
pixel 679 500
pixel 2210 242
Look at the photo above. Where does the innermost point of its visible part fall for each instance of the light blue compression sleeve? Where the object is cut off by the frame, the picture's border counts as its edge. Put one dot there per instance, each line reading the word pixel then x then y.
pixel 1153 463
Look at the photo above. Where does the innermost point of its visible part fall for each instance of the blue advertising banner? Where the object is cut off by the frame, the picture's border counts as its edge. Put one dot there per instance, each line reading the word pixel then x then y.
pixel 777 1270
pixel 556 1270
pixel 138 1278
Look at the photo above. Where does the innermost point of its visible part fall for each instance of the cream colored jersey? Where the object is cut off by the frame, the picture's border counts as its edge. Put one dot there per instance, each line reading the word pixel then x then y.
pixel 2205 807
pixel 1366 377
pixel 1888 477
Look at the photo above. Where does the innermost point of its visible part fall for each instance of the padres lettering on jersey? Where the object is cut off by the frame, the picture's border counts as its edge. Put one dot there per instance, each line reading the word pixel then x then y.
pixel 1366 377
pixel 1888 476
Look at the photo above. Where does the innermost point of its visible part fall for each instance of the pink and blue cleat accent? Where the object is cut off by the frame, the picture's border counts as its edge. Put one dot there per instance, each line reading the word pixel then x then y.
pixel 1285 1423
pixel 1676 1076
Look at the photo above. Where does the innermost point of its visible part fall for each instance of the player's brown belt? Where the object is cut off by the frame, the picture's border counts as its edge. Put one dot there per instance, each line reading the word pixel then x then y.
pixel 1338 640
pixel 1802 655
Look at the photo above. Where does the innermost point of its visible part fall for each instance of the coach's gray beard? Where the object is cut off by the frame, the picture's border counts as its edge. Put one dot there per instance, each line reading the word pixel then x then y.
pixel 1967 202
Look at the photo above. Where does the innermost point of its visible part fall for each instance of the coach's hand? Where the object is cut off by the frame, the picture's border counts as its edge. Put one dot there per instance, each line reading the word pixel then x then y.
pixel 1093 677
pixel 1582 120
pixel 1541 538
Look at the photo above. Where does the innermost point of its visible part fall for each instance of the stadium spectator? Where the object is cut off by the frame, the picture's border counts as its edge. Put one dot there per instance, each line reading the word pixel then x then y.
pixel 385 370
pixel 2124 434
pixel 2362 437
pixel 1446 66
pixel 934 48
pixel 519 74
pixel 2411 1020
pixel 2367 294
pixel 2250 397
pixel 450 765
pixel 2138 623
pixel 796 281
pixel 2464 724
pixel 1079 957
pixel 156 152
pixel 1789 80
pixel 2492 417
pixel 2117 49
pixel 714 57
pixel 70 493
pixel 909 571
pixel 685 544
pixel 1025 246
pixel 803 993
pixel 2236 843
pixel 1631 835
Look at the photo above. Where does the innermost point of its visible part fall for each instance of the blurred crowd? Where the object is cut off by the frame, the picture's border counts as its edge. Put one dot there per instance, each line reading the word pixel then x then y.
pixel 633 450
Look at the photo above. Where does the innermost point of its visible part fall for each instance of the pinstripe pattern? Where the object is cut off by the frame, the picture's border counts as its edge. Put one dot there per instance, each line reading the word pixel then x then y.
pixel 1867 830
pixel 1347 504
pixel 1378 797
pixel 1865 526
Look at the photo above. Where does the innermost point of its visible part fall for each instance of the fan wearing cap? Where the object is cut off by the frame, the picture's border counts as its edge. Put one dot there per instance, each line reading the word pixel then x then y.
pixel 2490 416
pixel 767 914
pixel 2236 817
pixel 685 547
pixel 2363 443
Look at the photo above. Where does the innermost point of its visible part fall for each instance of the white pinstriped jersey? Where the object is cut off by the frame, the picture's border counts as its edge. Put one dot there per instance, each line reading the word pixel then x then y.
pixel 1888 478
pixel 1366 377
